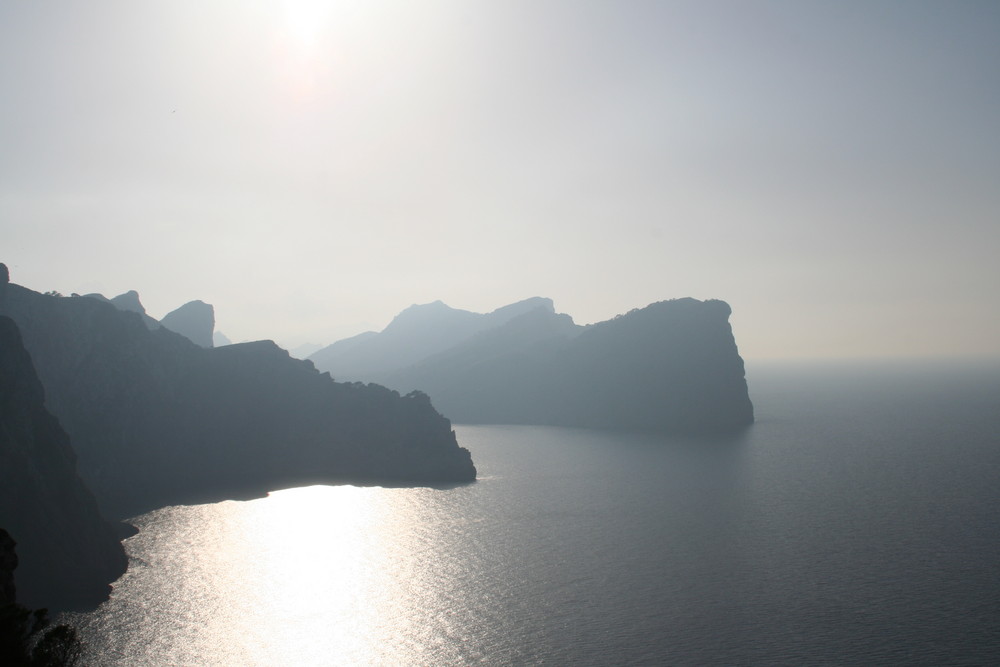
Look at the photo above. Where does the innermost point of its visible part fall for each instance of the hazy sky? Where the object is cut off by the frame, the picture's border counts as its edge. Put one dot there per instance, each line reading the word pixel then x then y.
pixel 831 169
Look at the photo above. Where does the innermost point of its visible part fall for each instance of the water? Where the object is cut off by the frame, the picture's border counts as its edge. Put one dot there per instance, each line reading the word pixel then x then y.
pixel 855 523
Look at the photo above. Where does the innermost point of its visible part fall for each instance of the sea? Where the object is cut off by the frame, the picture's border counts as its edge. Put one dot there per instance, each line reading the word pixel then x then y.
pixel 857 522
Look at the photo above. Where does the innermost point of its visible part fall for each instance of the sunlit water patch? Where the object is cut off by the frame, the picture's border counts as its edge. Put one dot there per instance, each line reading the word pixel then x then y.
pixel 317 575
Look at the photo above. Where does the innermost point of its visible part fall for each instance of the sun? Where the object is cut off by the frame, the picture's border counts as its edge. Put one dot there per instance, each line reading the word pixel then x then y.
pixel 305 22
pixel 302 46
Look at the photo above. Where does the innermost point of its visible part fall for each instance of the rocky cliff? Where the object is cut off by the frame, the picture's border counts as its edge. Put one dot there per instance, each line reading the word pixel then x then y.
pixel 672 367
pixel 158 420
pixel 8 563
pixel 68 553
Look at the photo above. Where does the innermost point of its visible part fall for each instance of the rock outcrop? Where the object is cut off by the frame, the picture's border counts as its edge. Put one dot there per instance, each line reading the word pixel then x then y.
pixel 69 553
pixel 195 320
pixel 130 303
pixel 157 420
pixel 672 367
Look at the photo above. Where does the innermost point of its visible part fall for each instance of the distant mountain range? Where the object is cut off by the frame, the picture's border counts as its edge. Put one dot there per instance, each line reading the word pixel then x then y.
pixel 415 334
pixel 670 367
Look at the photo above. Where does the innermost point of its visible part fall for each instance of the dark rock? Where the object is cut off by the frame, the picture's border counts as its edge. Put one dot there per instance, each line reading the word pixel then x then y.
pixel 68 553
pixel 8 563
pixel 194 320
pixel 157 420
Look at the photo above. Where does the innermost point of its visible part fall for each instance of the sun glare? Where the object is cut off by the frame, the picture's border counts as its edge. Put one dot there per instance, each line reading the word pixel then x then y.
pixel 342 526
pixel 305 22
pixel 302 46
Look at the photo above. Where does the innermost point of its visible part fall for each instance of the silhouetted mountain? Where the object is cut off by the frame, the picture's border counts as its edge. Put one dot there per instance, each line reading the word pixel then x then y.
pixel 195 320
pixel 129 301
pixel 157 420
pixel 219 339
pixel 540 325
pixel 670 367
pixel 413 335
pixel 69 554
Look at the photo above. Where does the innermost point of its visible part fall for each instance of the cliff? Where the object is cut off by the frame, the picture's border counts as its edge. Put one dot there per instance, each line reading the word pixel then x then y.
pixel 69 554
pixel 672 367
pixel 157 420
pixel 8 563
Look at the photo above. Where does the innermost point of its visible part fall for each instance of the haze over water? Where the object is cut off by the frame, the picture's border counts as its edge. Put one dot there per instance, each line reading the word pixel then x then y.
pixel 854 523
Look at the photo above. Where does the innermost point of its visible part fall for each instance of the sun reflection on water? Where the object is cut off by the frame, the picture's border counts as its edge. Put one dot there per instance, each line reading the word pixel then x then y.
pixel 322 571
pixel 322 575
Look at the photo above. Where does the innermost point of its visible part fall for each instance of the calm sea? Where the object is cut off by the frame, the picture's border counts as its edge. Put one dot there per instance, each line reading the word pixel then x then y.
pixel 857 522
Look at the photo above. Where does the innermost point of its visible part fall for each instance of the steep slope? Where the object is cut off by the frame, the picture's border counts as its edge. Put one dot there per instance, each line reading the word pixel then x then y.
pixel 157 420
pixel 415 334
pixel 8 563
pixel 69 554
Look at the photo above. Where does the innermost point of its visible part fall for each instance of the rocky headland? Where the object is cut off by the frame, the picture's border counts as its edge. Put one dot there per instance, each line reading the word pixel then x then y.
pixel 671 367
pixel 156 419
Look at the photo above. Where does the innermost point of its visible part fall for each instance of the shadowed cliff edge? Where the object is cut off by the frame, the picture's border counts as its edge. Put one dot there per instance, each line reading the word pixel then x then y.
pixel 26 637
pixel 69 553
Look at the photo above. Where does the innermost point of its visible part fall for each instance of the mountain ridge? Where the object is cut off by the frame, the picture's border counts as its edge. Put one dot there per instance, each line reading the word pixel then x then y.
pixel 157 420
pixel 416 332
pixel 672 366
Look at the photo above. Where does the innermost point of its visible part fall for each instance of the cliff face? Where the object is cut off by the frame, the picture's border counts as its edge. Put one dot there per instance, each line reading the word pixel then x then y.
pixel 672 367
pixel 8 563
pixel 68 553
pixel 157 420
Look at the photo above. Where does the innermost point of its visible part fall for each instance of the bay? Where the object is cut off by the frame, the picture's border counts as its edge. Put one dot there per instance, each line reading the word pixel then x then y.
pixel 854 523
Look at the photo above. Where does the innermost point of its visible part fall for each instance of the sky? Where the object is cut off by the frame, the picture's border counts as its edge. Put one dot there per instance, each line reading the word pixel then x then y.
pixel 311 168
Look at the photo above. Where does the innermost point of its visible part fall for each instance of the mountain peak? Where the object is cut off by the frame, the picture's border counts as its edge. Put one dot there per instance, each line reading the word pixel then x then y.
pixel 129 301
pixel 195 320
